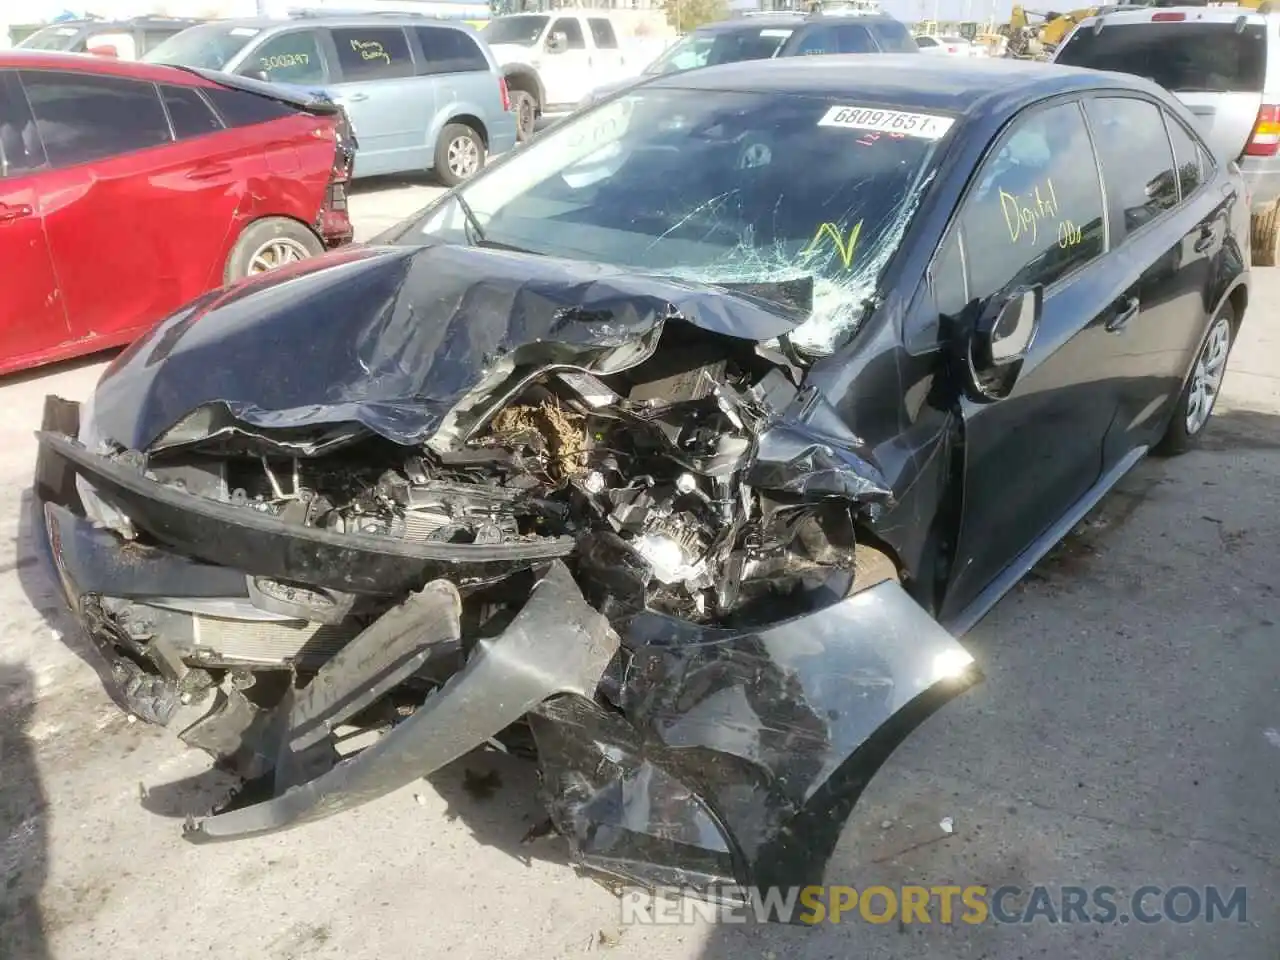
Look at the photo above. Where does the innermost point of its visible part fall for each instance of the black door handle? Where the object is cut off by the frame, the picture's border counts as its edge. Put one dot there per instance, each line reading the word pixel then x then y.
pixel 1125 309
pixel 1205 240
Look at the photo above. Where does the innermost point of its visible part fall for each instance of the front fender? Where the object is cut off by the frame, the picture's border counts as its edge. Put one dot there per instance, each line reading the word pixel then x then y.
pixel 735 757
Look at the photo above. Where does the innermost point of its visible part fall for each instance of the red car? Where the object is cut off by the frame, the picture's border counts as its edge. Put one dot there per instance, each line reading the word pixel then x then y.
pixel 128 189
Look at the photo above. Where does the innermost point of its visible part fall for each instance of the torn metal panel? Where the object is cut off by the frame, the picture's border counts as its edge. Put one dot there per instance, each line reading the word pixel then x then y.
pixel 740 754
pixel 556 644
pixel 263 545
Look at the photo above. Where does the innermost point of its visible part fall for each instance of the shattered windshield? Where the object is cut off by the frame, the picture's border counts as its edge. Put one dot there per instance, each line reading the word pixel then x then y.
pixel 714 187
pixel 722 46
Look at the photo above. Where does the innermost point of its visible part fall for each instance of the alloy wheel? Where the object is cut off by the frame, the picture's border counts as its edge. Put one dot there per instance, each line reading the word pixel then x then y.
pixel 464 157
pixel 1206 378
pixel 276 253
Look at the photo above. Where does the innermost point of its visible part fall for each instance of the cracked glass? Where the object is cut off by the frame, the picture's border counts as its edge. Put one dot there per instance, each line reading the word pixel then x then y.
pixel 714 187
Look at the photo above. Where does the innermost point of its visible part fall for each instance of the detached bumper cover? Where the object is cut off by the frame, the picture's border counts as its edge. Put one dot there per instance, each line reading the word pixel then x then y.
pixel 671 753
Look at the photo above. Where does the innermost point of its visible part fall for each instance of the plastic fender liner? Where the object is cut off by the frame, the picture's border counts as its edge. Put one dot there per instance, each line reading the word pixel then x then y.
pixel 556 644
pixel 739 754
pixel 262 545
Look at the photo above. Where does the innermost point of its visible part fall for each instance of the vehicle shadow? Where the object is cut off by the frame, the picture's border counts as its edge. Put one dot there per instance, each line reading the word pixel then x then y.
pixel 23 822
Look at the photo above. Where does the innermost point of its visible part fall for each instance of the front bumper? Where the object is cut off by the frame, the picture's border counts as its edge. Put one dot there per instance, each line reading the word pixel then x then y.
pixel 671 753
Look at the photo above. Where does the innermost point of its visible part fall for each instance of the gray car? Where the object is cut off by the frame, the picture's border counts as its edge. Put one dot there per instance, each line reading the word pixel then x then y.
pixel 422 94
pixel 1216 60
pixel 768 36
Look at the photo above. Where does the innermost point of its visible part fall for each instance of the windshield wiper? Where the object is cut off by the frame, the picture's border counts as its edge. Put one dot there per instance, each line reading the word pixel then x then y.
pixel 473 230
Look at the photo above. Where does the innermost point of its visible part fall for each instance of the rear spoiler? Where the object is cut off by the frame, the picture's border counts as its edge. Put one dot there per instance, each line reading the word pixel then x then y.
pixel 313 101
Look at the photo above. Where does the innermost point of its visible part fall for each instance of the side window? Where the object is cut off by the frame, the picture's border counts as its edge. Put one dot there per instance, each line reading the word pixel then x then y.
pixel 288 58
pixel 190 115
pixel 1036 214
pixel 602 33
pixel 378 53
pixel 1186 157
pixel 820 40
pixel 572 30
pixel 947 277
pixel 449 51
pixel 240 109
pixel 82 118
pixel 20 147
pixel 854 38
pixel 1137 161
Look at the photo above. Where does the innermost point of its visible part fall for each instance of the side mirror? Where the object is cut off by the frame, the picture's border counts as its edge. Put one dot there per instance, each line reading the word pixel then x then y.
pixel 1001 339
pixel 558 42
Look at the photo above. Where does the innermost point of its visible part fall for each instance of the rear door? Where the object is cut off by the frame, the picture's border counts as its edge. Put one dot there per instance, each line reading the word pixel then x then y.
pixel 1168 230
pixel 607 58
pixel 1215 66
pixel 31 314
pixel 1034 214
pixel 134 223
pixel 390 106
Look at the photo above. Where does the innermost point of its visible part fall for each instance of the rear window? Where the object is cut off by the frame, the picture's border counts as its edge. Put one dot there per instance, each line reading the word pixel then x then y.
pixel 1185 57
pixel 721 46
pixel 892 36
pixel 241 109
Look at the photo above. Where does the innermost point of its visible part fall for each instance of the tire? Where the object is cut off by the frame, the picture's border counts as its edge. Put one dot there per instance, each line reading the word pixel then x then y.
pixel 525 107
pixel 457 143
pixel 279 238
pixel 1184 431
pixel 1266 237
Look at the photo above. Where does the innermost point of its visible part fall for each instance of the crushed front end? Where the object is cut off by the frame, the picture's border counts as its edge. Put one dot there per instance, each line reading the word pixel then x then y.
pixel 595 518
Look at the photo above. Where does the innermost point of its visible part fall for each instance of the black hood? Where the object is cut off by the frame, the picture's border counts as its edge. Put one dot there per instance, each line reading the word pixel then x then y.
pixel 392 338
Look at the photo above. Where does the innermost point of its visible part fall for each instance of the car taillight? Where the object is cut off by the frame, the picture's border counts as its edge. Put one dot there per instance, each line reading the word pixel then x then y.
pixel 952 49
pixel 506 94
pixel 1265 139
pixel 1167 17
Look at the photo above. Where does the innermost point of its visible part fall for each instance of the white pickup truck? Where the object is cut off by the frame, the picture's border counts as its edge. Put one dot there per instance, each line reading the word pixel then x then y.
pixel 552 60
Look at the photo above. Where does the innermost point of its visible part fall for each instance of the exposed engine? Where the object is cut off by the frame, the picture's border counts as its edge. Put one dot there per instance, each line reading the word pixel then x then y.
pixel 645 469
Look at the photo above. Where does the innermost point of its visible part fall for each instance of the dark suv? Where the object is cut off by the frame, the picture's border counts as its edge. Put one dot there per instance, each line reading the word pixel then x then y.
pixel 781 35
pixel 124 39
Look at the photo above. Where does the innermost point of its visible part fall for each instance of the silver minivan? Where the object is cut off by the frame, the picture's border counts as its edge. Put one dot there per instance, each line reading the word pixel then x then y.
pixel 422 94
pixel 1216 60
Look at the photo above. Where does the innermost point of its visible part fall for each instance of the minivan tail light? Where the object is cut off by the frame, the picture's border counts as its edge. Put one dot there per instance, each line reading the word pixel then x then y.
pixel 1167 17
pixel 1265 139
pixel 506 94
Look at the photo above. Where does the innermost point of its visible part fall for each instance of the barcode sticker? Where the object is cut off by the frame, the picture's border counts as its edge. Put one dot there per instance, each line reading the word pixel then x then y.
pixel 925 126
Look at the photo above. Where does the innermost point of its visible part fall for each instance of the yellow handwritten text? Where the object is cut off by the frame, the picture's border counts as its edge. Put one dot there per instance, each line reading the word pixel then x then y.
pixel 1023 213
pixel 844 248
pixel 370 50
pixel 1068 234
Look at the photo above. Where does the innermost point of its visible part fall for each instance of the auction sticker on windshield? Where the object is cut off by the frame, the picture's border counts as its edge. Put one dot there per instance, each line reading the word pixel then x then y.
pixel 925 126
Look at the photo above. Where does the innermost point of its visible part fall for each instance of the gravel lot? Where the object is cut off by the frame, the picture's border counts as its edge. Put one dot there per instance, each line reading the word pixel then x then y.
pixel 1128 733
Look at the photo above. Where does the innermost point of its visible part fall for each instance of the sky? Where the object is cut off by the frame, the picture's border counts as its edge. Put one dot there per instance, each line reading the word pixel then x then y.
pixel 980 10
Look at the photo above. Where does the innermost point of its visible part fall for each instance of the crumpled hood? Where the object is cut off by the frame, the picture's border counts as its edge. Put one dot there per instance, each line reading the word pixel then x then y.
pixel 392 338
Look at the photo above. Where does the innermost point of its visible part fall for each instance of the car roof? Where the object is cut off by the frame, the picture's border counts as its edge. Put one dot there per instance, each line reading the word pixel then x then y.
pixel 1122 16
pixel 958 85
pixel 783 20
pixel 339 20
pixel 143 21
pixel 17 59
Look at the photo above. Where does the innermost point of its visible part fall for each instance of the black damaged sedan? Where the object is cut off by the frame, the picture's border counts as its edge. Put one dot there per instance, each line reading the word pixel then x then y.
pixel 673 451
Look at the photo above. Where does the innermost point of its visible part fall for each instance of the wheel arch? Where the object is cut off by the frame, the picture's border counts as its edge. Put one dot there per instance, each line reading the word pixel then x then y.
pixel 521 76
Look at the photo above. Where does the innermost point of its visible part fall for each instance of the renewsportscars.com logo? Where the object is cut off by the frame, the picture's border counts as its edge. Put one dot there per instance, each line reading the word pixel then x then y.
pixel 935 904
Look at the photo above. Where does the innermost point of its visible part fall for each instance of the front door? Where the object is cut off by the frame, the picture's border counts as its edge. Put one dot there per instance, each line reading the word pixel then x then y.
pixel 566 69
pixel 1035 216
pixel 31 316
